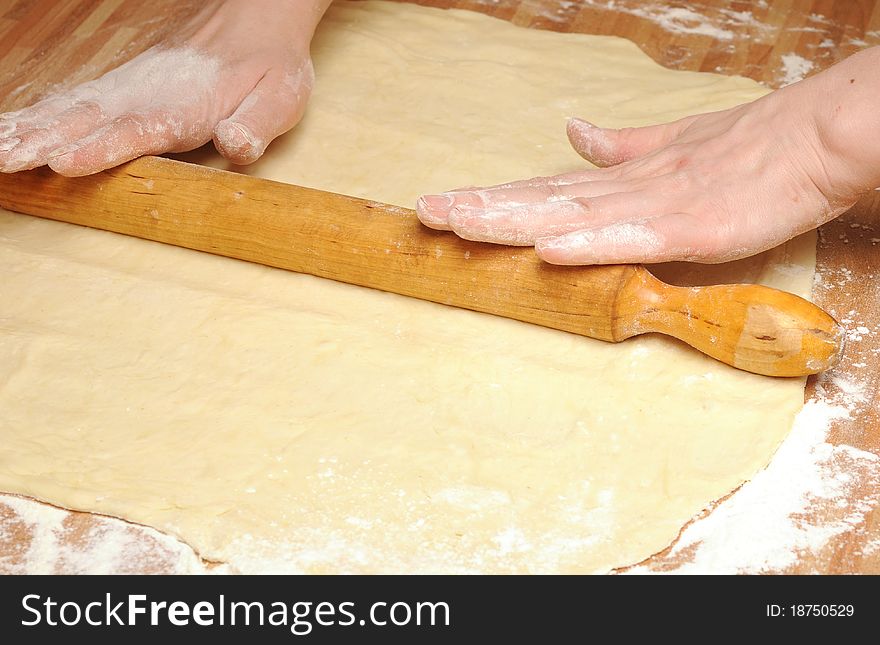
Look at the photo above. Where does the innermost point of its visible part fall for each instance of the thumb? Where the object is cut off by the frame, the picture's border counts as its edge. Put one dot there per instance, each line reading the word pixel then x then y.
pixel 608 147
pixel 273 107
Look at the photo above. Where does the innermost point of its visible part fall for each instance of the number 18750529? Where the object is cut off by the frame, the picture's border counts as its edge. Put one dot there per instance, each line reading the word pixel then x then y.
pixel 803 611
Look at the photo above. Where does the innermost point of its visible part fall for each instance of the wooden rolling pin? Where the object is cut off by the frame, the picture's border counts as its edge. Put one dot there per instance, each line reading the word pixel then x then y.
pixel 751 327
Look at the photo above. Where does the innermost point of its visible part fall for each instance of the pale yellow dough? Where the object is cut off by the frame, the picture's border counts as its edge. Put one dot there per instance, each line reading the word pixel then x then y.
pixel 284 423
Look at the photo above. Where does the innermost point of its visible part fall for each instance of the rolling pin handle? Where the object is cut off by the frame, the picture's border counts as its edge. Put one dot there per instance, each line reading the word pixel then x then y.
pixel 751 327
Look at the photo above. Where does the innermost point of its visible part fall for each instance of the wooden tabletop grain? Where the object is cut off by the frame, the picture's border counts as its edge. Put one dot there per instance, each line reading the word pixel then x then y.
pixel 51 44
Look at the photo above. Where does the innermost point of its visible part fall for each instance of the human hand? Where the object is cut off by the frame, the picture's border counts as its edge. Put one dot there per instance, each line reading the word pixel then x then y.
pixel 229 75
pixel 709 188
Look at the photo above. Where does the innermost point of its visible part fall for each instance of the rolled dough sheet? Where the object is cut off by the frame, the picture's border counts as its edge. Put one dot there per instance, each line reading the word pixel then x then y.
pixel 280 422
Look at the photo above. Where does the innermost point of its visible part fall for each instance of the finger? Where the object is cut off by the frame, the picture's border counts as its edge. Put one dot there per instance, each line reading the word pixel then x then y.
pixel 523 225
pixel 677 236
pixel 433 210
pixel 36 115
pixel 33 147
pixel 123 139
pixel 609 147
pixel 273 107
pixel 562 179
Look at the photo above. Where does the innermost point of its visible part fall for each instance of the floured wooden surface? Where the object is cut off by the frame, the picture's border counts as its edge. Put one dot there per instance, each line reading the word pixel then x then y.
pixel 42 539
pixel 859 319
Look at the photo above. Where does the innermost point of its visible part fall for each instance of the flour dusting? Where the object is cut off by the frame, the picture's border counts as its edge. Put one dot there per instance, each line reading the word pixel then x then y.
pixel 37 538
pixel 722 24
pixel 766 525
pixel 794 68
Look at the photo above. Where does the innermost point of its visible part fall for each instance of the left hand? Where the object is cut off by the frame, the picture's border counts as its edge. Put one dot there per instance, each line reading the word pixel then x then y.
pixel 238 72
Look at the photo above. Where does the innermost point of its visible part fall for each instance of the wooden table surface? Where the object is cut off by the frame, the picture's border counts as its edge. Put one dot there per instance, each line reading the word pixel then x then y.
pixel 49 44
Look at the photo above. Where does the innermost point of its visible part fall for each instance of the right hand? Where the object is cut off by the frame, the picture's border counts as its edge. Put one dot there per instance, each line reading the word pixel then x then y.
pixel 230 74
pixel 709 188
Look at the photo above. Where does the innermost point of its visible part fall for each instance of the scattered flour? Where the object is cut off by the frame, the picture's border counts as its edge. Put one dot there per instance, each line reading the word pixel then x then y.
pixel 723 24
pixel 794 69
pixel 41 539
pixel 21 88
pixel 765 526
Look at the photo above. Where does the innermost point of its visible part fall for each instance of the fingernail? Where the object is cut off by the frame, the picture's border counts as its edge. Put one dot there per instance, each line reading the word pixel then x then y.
pixel 461 213
pixel 238 142
pixel 437 202
pixel 434 208
pixel 580 130
pixel 244 134
pixel 474 224
pixel 577 121
pixel 9 144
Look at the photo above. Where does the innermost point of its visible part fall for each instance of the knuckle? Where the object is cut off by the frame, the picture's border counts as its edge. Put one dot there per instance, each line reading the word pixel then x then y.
pixel 90 91
pixel 90 105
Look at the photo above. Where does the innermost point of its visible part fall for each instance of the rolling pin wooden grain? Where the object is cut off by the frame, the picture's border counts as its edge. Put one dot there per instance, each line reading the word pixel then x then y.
pixel 375 245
